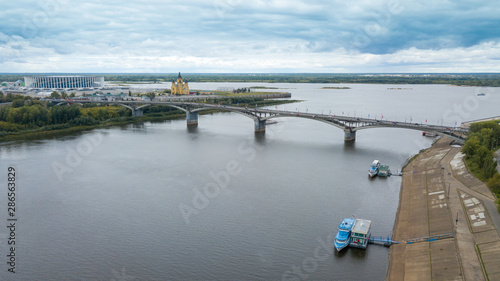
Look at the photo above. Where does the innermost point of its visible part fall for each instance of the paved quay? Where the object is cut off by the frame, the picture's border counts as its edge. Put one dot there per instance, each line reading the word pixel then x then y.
pixel 447 221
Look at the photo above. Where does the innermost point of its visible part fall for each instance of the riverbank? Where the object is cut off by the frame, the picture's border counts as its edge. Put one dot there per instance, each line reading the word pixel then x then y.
pixel 41 134
pixel 438 197
pixel 65 129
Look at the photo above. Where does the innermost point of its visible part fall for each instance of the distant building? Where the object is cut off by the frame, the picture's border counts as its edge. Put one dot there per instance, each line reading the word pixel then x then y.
pixel 225 89
pixel 99 96
pixel 64 82
pixel 44 94
pixel 179 87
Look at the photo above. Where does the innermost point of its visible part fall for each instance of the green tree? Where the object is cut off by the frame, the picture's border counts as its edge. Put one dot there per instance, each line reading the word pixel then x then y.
pixel 494 184
pixel 64 114
pixel 4 112
pixel 9 97
pixel 9 127
pixel 479 156
pixel 18 103
pixel 471 146
pixel 55 95
pixel 18 115
pixel 151 95
pixel 83 121
pixel 38 116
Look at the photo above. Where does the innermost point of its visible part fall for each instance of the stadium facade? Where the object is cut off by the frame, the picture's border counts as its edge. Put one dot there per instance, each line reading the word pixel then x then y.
pixel 63 82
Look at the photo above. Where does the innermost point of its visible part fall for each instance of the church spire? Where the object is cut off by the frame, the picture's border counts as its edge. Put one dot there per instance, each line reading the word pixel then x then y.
pixel 179 75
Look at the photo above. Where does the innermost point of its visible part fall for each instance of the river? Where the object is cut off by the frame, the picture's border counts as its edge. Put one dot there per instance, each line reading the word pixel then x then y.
pixel 157 201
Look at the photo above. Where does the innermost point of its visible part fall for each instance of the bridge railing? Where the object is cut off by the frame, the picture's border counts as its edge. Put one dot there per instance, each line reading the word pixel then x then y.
pixel 353 121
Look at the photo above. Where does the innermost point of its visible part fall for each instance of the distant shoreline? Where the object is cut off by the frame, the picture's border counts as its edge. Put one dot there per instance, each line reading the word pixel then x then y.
pixel 457 79
pixel 335 88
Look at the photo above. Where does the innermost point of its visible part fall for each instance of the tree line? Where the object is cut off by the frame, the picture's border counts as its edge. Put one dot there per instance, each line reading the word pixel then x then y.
pixel 491 80
pixel 480 145
pixel 25 113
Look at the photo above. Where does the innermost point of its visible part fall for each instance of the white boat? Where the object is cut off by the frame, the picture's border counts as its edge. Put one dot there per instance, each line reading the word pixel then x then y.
pixel 373 171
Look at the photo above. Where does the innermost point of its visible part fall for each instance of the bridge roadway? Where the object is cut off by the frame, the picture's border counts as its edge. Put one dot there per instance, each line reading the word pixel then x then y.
pixel 349 124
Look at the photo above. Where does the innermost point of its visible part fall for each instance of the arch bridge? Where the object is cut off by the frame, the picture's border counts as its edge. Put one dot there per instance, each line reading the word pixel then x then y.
pixel 350 125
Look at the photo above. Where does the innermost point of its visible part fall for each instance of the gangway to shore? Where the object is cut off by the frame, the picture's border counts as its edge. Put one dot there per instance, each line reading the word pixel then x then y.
pixel 386 241
pixel 431 238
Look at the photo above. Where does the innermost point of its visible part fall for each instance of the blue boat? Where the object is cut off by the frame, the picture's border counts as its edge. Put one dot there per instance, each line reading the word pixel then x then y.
pixel 343 237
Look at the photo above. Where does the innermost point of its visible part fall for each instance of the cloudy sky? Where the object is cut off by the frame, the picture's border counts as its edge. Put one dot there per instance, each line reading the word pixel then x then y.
pixel 153 36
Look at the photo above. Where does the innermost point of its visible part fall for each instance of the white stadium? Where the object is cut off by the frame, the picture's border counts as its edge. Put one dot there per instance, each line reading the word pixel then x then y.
pixel 63 82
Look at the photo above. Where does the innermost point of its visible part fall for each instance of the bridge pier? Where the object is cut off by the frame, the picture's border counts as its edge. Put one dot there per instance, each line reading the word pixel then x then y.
pixel 260 126
pixel 349 135
pixel 137 112
pixel 192 118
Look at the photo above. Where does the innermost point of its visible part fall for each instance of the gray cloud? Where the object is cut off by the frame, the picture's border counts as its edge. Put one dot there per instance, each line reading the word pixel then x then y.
pixel 237 35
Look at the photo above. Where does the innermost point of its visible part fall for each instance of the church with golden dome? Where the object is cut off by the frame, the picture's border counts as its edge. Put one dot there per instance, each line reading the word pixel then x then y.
pixel 179 87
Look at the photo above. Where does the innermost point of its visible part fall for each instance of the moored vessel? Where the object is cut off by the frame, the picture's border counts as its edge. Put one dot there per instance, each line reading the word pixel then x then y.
pixel 343 237
pixel 373 171
pixel 428 134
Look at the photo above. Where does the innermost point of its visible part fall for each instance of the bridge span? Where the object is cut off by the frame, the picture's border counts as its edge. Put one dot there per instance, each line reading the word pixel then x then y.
pixel 350 125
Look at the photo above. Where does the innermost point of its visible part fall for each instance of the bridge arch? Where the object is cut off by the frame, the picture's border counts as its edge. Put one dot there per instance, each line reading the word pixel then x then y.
pixel 131 107
pixel 449 133
pixel 68 102
pixel 331 123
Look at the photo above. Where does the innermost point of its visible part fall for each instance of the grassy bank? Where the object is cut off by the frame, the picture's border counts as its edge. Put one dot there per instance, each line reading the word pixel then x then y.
pixel 153 114
pixel 43 133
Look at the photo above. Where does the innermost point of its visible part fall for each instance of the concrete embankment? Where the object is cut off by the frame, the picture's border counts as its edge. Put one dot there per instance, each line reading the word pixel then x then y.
pixel 439 197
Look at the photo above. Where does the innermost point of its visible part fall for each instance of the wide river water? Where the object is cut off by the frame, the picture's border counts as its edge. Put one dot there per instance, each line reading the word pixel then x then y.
pixel 157 201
